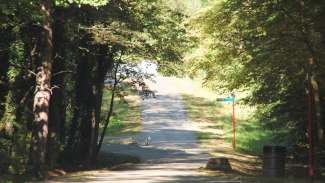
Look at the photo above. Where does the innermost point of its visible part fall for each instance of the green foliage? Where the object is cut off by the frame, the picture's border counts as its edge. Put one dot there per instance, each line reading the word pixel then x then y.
pixel 262 48
pixel 13 145
pixel 95 3
pixel 250 134
pixel 125 119
pixel 165 33
pixel 189 7
pixel 88 36
pixel 16 57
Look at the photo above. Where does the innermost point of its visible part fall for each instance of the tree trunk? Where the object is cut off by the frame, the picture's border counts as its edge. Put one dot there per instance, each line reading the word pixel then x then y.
pixel 110 111
pixel 104 65
pixel 305 31
pixel 88 115
pixel 318 111
pixel 42 94
pixel 79 132
pixel 320 27
pixel 58 106
pixel 317 104
pixel 5 40
pixel 4 66
pixel 81 115
pixel 315 90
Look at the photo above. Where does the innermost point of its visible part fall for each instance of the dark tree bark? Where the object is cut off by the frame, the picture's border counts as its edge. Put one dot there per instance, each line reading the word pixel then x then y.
pixel 58 107
pixel 80 115
pixel 89 101
pixel 314 87
pixel 88 114
pixel 5 40
pixel 110 111
pixel 91 72
pixel 4 66
pixel 312 68
pixel 42 94
pixel 320 27
pixel 80 133
pixel 104 66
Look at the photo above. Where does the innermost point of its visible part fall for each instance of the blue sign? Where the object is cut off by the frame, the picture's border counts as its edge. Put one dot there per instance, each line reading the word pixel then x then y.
pixel 228 99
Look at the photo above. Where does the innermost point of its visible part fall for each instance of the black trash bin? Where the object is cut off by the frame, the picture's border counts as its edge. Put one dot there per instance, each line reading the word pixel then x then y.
pixel 274 158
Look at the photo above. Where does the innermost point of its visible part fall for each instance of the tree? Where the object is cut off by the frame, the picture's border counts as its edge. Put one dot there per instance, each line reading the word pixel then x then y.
pixel 263 48
pixel 43 92
pixel 63 50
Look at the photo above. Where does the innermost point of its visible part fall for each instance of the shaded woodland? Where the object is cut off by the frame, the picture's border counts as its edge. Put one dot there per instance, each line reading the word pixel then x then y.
pixel 273 51
pixel 56 54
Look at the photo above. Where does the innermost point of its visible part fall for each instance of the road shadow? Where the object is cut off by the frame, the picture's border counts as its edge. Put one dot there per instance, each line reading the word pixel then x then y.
pixel 175 150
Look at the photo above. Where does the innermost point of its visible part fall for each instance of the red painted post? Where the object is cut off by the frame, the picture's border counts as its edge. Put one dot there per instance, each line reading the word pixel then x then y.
pixel 311 170
pixel 310 137
pixel 233 122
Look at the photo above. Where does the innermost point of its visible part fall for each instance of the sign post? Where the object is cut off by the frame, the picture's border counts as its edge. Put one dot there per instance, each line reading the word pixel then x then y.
pixel 233 121
pixel 233 118
pixel 311 163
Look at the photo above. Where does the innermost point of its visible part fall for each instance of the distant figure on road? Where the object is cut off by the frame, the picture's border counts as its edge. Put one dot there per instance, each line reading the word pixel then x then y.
pixel 147 141
pixel 146 92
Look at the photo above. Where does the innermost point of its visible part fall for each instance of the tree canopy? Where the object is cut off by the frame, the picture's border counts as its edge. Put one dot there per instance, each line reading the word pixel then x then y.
pixel 56 54
pixel 271 50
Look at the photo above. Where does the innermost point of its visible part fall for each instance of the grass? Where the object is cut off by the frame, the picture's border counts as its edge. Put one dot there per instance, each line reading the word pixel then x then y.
pixel 215 134
pixel 126 118
pixel 250 135
pixel 202 108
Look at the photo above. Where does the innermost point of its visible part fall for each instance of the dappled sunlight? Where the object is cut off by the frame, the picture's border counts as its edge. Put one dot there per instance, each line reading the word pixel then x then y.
pixel 194 87
pixel 185 131
pixel 211 120
pixel 172 155
pixel 126 117
pixel 215 132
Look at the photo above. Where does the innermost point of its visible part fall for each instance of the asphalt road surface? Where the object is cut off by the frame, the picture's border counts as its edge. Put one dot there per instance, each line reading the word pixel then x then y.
pixel 173 154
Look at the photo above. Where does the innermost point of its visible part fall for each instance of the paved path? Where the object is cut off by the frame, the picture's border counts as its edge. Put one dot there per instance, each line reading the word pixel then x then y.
pixel 173 154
